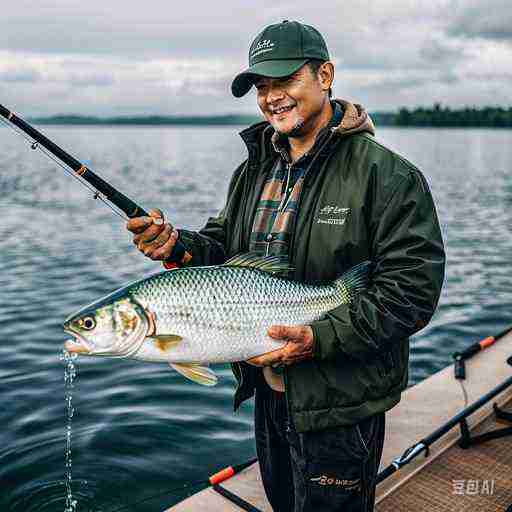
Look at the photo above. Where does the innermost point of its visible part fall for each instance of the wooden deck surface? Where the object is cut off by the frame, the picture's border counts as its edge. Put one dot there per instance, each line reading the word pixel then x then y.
pixel 423 409
pixel 463 480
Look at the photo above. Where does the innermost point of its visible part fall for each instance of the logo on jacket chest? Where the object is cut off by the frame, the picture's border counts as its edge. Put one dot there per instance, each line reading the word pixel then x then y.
pixel 333 215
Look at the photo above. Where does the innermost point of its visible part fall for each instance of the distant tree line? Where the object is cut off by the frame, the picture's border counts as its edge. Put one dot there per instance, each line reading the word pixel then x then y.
pixel 436 116
pixel 72 119
pixel 444 116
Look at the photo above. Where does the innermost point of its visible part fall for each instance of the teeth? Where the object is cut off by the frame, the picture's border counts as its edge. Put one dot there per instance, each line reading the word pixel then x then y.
pixel 282 109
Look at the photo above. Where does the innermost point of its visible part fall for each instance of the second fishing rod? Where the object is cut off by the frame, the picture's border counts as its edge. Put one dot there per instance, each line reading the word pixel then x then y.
pixel 82 172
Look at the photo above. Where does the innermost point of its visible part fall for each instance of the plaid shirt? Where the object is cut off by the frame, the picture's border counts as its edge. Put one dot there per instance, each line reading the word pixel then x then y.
pixel 277 207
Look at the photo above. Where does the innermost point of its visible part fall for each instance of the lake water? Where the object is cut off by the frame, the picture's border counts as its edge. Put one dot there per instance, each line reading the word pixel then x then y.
pixel 140 429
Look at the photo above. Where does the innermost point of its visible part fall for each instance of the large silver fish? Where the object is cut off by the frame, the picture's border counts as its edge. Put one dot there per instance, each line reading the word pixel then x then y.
pixel 194 316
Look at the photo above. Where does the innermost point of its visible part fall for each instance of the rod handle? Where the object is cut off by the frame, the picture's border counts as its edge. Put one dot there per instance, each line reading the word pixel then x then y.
pixel 222 475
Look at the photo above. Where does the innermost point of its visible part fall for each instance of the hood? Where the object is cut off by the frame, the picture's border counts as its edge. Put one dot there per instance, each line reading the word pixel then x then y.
pixel 355 119
pixel 259 137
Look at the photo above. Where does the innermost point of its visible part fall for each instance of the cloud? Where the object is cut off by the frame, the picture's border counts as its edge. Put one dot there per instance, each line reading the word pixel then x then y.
pixel 110 85
pixel 436 51
pixel 19 75
pixel 152 27
pixel 484 19
pixel 161 57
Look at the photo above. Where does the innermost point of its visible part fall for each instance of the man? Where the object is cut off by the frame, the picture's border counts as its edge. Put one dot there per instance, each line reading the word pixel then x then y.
pixel 318 188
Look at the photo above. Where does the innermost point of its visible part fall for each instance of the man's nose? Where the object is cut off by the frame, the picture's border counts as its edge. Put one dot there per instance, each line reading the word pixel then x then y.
pixel 275 93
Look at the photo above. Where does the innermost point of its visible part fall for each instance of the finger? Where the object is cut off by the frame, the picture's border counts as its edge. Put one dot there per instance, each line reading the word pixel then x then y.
pixel 162 238
pixel 255 361
pixel 155 244
pixel 260 361
pixel 295 357
pixel 291 351
pixel 296 351
pixel 149 235
pixel 163 252
pixel 297 334
pixel 139 224
pixel 157 215
pixel 282 332
pixel 156 212
pixel 267 359
pixel 300 334
pixel 277 331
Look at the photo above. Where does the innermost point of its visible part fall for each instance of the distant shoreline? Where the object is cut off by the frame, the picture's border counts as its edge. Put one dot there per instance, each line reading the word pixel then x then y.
pixel 438 116
pixel 147 120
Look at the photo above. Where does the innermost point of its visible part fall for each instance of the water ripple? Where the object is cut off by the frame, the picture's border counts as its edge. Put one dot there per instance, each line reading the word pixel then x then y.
pixel 139 428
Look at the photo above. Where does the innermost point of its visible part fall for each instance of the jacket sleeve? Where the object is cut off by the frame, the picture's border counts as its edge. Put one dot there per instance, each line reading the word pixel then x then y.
pixel 408 253
pixel 208 246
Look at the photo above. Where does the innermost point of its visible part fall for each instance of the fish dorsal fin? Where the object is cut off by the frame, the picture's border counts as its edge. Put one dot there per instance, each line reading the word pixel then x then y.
pixel 270 264
pixel 357 278
pixel 196 372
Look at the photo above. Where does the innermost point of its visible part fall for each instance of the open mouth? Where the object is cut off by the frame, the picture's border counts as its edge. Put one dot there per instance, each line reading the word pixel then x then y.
pixel 76 344
pixel 282 111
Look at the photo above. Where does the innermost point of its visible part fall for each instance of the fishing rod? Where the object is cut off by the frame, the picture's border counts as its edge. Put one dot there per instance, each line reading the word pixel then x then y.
pixel 460 357
pixel 423 446
pixel 213 481
pixel 102 189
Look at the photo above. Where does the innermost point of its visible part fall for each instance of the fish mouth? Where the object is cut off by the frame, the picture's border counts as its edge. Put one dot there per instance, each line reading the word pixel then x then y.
pixel 77 344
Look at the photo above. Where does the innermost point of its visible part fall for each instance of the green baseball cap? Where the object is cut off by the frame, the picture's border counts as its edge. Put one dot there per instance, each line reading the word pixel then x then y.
pixel 278 51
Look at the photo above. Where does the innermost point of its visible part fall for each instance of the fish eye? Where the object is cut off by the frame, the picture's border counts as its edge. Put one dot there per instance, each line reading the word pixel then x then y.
pixel 87 323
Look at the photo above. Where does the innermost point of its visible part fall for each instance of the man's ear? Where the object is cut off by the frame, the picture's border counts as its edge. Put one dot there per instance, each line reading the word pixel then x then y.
pixel 326 75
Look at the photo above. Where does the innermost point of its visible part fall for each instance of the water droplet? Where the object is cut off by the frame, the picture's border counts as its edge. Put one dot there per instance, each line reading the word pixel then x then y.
pixel 70 373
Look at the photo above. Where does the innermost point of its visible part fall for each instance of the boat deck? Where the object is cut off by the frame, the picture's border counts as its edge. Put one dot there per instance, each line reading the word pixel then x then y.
pixel 431 483
pixel 477 478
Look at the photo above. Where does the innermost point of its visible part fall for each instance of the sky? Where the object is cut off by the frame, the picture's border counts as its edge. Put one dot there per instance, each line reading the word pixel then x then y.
pixel 157 57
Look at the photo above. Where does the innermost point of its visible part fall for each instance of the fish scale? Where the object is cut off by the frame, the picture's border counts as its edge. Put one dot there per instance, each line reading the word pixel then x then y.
pixel 223 313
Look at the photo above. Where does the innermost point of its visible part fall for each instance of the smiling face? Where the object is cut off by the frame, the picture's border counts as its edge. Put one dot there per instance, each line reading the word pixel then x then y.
pixel 296 105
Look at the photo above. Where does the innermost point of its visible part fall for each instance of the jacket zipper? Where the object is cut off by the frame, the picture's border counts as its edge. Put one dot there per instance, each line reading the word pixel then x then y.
pixel 292 242
pixel 285 373
pixel 299 199
pixel 287 193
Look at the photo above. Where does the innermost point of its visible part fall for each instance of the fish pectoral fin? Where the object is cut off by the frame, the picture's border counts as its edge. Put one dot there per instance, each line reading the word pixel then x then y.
pixel 164 342
pixel 196 372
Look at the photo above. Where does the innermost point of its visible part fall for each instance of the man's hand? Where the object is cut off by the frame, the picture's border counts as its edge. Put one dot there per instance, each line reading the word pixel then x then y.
pixel 152 236
pixel 299 346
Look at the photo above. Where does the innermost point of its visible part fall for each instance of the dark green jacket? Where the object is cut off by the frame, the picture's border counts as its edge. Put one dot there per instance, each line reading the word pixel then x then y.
pixel 360 363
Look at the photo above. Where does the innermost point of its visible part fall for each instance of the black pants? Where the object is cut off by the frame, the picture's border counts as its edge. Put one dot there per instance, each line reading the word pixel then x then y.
pixel 323 471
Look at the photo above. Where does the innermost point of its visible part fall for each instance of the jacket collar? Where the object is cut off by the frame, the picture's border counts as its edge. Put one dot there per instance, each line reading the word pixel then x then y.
pixel 281 143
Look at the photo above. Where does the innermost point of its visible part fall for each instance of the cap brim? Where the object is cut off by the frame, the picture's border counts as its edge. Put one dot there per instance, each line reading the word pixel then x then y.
pixel 269 68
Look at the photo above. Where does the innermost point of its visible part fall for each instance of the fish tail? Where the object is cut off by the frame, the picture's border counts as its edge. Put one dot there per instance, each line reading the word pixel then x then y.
pixel 356 279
